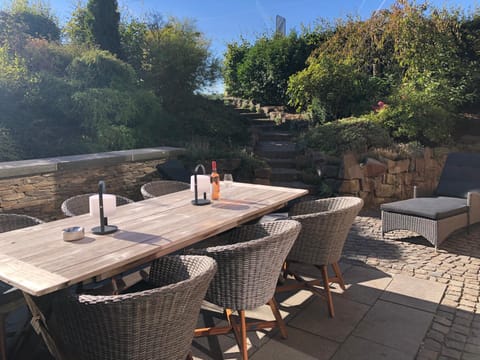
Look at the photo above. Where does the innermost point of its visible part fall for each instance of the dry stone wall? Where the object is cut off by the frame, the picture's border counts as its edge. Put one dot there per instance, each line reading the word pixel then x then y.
pixel 380 180
pixel 38 187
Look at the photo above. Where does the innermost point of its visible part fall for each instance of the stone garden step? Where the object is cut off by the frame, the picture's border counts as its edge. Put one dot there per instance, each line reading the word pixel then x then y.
pixel 284 174
pixel 276 149
pixel 262 121
pixel 282 163
pixel 272 135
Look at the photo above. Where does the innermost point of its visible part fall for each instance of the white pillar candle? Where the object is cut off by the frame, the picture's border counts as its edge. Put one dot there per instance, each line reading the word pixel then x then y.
pixel 203 184
pixel 109 205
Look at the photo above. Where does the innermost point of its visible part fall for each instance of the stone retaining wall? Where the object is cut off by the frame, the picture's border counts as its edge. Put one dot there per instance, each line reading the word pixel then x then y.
pixel 38 187
pixel 381 180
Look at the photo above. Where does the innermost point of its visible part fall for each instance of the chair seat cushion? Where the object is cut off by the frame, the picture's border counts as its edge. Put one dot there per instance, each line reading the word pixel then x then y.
pixel 434 208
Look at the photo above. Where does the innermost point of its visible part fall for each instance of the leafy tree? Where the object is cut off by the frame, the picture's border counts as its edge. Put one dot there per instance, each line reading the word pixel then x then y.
pixel 96 24
pixel 37 19
pixel 234 56
pixel 104 24
pixel 264 68
pixel 100 69
pixel 133 42
pixel 177 61
pixel 77 28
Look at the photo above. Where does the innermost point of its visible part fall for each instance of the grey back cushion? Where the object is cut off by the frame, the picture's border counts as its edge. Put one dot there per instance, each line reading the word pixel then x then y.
pixel 460 175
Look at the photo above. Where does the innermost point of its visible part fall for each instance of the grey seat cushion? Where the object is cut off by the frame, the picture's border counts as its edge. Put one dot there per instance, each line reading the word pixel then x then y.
pixel 434 208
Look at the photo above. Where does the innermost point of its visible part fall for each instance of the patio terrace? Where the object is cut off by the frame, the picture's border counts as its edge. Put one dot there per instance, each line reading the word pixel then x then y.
pixel 403 301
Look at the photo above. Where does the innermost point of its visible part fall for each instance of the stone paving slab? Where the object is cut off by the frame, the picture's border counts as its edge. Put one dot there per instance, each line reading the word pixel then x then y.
pixel 395 326
pixel 417 293
pixel 300 345
pixel 364 285
pixel 315 319
pixel 356 348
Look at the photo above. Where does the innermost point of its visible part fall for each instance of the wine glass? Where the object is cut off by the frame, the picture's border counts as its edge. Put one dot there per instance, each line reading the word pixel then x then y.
pixel 227 180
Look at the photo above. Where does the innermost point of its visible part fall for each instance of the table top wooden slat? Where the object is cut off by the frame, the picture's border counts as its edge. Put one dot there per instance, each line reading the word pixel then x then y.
pixel 38 261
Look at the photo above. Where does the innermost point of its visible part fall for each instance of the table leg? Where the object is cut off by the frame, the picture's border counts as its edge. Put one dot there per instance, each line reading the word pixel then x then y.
pixel 39 323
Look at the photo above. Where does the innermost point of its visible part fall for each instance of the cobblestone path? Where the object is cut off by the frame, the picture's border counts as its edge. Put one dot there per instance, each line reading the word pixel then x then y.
pixel 455 330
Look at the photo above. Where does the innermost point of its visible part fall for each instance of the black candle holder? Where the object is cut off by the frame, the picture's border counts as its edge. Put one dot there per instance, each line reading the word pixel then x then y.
pixel 104 228
pixel 198 201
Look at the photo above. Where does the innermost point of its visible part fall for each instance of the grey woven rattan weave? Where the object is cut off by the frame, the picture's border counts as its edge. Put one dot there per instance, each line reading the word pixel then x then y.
pixel 153 324
pixel 325 226
pixel 249 261
pixel 162 187
pixel 11 298
pixel 78 205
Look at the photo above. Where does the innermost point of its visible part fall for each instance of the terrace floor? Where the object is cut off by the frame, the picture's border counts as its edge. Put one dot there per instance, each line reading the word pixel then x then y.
pixel 403 301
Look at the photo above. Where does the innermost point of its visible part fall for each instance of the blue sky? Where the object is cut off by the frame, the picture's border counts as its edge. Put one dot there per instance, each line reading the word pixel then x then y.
pixel 223 21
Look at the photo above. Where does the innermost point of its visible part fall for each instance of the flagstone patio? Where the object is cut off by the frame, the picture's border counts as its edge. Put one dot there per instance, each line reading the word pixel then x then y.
pixel 403 301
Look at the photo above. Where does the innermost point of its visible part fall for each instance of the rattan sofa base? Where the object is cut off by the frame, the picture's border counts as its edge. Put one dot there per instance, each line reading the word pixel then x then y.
pixel 435 231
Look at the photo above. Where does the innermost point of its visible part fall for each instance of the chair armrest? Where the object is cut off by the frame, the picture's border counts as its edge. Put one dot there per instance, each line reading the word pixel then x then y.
pixel 473 202
pixel 419 192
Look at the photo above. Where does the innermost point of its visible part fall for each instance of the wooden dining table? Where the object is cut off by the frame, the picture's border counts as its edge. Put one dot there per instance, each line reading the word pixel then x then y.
pixel 38 261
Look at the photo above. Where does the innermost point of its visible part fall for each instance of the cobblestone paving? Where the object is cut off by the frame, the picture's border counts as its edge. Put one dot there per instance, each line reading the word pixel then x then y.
pixel 455 330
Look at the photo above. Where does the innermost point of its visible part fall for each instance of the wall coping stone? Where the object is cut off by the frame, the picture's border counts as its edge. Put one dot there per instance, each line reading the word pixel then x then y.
pixel 10 169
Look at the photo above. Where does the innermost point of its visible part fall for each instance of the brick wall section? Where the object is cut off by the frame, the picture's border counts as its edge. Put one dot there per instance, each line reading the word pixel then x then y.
pixel 38 187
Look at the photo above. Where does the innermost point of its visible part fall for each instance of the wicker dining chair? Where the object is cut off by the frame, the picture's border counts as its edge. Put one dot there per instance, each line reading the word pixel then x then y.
pixel 156 323
pixel 162 187
pixel 79 204
pixel 325 227
pixel 10 297
pixel 250 260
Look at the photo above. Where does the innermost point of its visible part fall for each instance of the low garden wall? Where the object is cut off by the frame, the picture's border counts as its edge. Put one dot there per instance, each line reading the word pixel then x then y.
pixel 38 187
pixel 379 179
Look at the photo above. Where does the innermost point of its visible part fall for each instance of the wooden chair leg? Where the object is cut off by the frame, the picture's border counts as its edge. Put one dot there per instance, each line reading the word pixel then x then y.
pixel 278 317
pixel 3 344
pixel 338 274
pixel 327 290
pixel 243 333
pixel 189 356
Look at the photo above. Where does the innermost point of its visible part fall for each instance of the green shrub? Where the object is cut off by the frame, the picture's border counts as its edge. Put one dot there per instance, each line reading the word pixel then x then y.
pixel 353 134
pixel 99 69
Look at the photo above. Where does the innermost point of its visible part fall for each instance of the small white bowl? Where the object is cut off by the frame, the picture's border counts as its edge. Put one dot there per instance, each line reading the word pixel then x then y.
pixel 73 233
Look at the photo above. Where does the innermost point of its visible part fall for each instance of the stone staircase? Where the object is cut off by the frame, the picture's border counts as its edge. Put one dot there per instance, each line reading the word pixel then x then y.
pixel 276 145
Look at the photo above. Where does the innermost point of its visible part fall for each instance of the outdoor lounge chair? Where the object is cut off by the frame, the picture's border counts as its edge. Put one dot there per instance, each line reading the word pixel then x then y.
pixel 79 205
pixel 162 187
pixel 249 262
pixel 11 298
pixel 455 203
pixel 325 227
pixel 157 323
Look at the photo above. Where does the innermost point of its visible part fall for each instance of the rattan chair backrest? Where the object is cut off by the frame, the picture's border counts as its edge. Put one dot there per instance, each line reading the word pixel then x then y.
pixel 162 187
pixel 249 260
pixel 10 222
pixel 157 323
pixel 325 227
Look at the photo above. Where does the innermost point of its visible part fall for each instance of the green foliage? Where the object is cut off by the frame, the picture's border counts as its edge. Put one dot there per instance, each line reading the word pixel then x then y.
pixel 105 116
pixel 99 69
pixel 96 25
pixel 177 61
pixel 35 20
pixel 77 28
pixel 104 24
pixel 132 36
pixel 261 72
pixel 354 134
pixel 234 56
pixel 332 89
